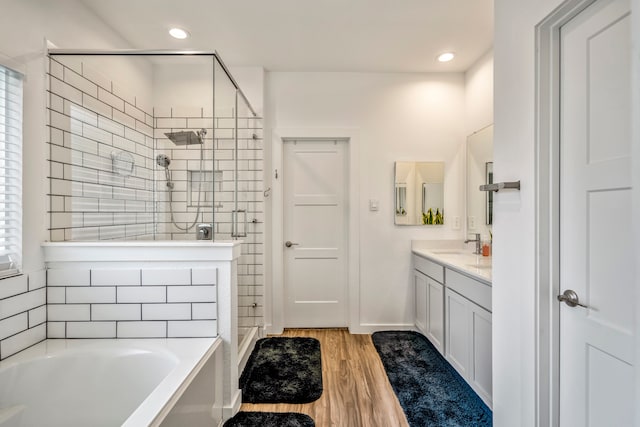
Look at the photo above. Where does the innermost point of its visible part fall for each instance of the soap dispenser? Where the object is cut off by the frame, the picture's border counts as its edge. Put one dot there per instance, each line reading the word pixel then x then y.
pixel 486 246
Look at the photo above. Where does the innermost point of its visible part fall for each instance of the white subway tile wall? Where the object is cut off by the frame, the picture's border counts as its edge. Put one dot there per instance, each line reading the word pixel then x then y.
pixel 89 124
pixel 22 312
pixel 128 303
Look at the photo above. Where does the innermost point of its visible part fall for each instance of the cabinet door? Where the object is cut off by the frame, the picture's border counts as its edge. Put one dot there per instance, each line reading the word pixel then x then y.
pixel 457 334
pixel 420 286
pixel 480 372
pixel 435 314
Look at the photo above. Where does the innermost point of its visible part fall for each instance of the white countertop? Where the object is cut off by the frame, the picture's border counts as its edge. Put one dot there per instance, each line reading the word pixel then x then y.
pixel 459 259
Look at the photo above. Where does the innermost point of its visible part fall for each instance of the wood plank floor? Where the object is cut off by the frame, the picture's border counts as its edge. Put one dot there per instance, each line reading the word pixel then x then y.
pixel 356 388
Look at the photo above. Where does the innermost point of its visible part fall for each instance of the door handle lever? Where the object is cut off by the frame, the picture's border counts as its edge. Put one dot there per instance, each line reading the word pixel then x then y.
pixel 288 244
pixel 570 298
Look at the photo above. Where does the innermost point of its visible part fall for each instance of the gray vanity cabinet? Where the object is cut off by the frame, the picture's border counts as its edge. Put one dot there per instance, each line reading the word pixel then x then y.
pixel 468 332
pixel 429 300
pixel 453 310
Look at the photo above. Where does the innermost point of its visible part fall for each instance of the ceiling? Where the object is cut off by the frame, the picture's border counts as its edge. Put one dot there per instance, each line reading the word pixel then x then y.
pixel 312 35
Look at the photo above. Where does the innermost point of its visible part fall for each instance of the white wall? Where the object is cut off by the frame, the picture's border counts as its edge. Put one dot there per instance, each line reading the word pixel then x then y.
pixel 68 24
pixel 399 117
pixel 478 97
pixel 185 82
pixel 251 82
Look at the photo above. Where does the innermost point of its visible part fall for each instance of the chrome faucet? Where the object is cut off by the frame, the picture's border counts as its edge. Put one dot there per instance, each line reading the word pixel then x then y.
pixel 478 244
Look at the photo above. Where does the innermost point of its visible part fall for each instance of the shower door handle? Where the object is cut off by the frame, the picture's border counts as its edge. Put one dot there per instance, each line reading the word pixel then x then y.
pixel 234 223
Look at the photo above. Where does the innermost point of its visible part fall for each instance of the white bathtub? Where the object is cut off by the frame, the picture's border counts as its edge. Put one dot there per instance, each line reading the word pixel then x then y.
pixel 133 383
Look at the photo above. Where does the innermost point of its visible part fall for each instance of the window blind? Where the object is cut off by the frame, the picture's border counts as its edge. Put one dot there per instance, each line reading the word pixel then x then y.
pixel 10 171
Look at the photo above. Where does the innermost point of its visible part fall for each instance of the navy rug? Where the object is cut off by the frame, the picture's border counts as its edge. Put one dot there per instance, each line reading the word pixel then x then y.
pixel 283 370
pixel 269 419
pixel 430 391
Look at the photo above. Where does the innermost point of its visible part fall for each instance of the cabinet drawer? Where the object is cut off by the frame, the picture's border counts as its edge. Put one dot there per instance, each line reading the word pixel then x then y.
pixel 471 289
pixel 430 268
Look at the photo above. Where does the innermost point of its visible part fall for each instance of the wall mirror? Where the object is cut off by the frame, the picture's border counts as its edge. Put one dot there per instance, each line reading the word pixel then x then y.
pixel 419 193
pixel 479 171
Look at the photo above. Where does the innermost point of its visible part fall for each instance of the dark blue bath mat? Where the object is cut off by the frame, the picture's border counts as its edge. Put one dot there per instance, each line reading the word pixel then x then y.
pixel 269 419
pixel 283 370
pixel 429 390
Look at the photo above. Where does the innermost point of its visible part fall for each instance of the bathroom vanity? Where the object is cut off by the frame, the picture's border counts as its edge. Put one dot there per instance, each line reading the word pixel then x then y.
pixel 453 310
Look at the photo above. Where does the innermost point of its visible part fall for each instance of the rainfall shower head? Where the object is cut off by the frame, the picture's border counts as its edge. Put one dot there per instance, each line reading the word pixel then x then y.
pixel 188 137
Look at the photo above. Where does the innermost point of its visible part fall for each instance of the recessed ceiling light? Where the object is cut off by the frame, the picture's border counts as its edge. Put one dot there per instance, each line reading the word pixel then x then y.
pixel 178 33
pixel 446 57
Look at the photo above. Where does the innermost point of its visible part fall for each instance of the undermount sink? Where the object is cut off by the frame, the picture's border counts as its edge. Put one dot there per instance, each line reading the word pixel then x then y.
pixel 449 252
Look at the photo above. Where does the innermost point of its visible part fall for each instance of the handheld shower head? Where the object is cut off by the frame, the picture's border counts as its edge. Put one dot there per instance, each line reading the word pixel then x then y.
pixel 163 160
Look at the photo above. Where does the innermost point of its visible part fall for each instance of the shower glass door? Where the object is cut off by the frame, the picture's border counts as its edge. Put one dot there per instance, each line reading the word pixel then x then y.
pixel 224 165
pixel 249 205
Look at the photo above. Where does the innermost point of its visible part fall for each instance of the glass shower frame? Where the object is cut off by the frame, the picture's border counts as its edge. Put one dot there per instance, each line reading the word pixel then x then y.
pixel 236 228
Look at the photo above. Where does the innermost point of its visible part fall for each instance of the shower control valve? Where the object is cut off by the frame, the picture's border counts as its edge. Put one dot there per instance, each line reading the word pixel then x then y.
pixel 204 232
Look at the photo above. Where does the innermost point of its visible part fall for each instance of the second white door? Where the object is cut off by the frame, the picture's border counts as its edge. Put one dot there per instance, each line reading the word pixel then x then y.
pixel 596 246
pixel 315 233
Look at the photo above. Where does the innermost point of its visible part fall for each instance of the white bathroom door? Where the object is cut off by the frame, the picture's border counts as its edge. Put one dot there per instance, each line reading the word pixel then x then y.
pixel 596 247
pixel 315 234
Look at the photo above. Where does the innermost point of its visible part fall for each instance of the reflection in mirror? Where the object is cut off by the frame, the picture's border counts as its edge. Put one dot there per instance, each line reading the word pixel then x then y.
pixel 479 172
pixel 401 199
pixel 489 205
pixel 419 193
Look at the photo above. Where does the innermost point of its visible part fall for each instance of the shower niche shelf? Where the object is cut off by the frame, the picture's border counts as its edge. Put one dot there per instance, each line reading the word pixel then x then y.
pixel 209 180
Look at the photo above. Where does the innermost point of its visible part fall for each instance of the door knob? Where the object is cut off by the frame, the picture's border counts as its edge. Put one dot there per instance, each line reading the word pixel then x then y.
pixel 571 299
pixel 288 243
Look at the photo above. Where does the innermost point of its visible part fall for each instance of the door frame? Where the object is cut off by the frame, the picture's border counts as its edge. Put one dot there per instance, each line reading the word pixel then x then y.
pixel 352 203
pixel 547 211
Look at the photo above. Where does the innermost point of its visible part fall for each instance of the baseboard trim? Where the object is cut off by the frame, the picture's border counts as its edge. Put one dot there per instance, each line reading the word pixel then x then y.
pixel 229 411
pixel 271 330
pixel 363 328
pixel 247 347
pixel 369 328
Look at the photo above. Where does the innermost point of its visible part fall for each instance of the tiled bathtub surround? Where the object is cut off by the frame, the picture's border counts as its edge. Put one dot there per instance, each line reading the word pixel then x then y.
pixel 132 303
pixel 100 157
pixel 146 289
pixel 23 312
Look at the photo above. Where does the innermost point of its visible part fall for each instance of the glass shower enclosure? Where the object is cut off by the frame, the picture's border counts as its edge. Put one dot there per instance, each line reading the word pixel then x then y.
pixel 156 145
